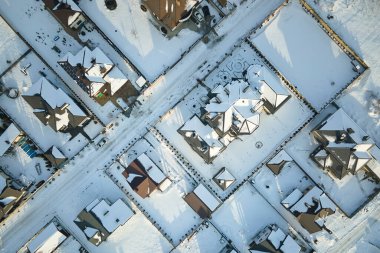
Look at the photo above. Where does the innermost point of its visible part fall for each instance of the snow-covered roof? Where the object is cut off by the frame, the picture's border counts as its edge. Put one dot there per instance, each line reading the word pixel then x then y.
pixel 112 216
pixel 116 78
pixel 341 121
pixel 292 198
pixel 207 198
pixel 57 154
pixel 7 138
pixel 151 168
pixel 205 132
pixel 281 156
pixel 270 88
pixel 290 246
pixel 276 237
pixel 47 240
pixel 99 69
pixel 238 104
pixel 224 178
pixel 55 97
pixel 3 183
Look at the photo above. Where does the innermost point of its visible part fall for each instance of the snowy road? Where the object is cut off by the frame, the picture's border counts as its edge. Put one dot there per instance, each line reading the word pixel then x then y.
pixel 71 191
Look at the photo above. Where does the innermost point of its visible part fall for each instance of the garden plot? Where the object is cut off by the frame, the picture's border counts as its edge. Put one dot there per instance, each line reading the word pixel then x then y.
pixel 359 187
pixel 241 156
pixel 11 46
pixel 134 33
pixel 166 207
pixel 22 113
pixel 205 239
pixel 295 44
pixel 244 215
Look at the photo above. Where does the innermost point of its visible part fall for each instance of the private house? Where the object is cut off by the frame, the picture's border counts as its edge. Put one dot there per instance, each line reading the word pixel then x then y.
pixel 233 109
pixel 169 14
pixel 68 13
pixel 311 208
pixel 273 93
pixel 98 76
pixel 8 136
pixel 224 179
pixel 144 176
pixel 47 240
pixel 273 240
pixel 344 147
pixel 53 107
pixel 100 219
pixel 202 201
pixel 202 138
pixel 278 162
pixel 10 196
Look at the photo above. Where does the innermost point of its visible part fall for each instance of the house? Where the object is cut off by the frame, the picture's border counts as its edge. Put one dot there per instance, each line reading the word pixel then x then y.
pixel 233 109
pixel 55 157
pixel 68 13
pixel 202 201
pixel 202 138
pixel 47 240
pixel 144 176
pixel 8 137
pixel 169 14
pixel 95 73
pixel 53 107
pixel 224 179
pixel 273 240
pixel 10 196
pixel 310 208
pixel 273 93
pixel 100 219
pixel 278 162
pixel 344 147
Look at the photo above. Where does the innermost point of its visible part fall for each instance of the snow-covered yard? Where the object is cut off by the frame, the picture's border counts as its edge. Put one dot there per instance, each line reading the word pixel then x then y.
pixel 244 215
pixel 11 46
pixel 134 33
pixel 167 207
pixel 299 48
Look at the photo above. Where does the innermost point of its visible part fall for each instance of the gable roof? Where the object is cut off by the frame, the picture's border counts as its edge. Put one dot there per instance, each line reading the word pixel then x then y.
pixel 8 137
pixel 53 106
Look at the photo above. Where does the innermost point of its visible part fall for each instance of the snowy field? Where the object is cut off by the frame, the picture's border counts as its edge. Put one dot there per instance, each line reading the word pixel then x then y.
pixel 205 239
pixel 244 215
pixel 134 33
pixel 22 113
pixel 167 208
pixel 11 46
pixel 241 156
pixel 358 186
pixel 295 44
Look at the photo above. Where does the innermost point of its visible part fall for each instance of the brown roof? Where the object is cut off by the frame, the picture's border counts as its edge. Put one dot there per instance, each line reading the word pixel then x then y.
pixel 141 183
pixel 168 12
pixel 10 192
pixel 197 205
